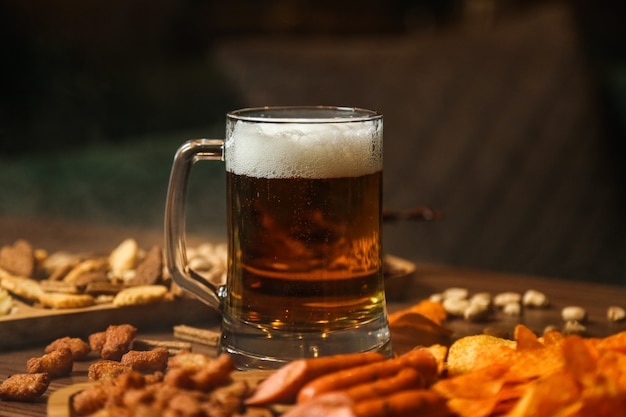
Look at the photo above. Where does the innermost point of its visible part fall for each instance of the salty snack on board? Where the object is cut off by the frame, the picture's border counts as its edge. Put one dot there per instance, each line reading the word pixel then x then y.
pixel 56 265
pixel 6 302
pixel 88 266
pixel 201 387
pixel 122 259
pixel 93 278
pixel 57 363
pixel 24 387
pixel 150 270
pixel 62 280
pixel 148 360
pixel 52 286
pixel 117 341
pixel 106 370
pixel 77 346
pixel 22 287
pixel 96 341
pixel 110 391
pixel 190 371
pixel 18 259
pixel 142 294
pixel 61 301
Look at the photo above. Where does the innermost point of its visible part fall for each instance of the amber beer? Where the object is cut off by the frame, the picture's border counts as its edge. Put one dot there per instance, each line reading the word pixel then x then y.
pixel 304 222
pixel 306 256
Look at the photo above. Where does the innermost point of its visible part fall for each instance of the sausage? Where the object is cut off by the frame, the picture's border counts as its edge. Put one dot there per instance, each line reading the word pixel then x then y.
pixel 419 359
pixel 283 385
pixel 415 402
pixel 404 403
pixel 407 378
pixel 334 404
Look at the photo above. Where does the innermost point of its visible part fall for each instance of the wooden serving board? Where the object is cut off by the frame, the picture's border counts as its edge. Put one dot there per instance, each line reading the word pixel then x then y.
pixel 30 326
pixel 59 403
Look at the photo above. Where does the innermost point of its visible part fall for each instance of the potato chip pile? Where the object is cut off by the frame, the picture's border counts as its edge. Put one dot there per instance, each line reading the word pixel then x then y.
pixel 553 375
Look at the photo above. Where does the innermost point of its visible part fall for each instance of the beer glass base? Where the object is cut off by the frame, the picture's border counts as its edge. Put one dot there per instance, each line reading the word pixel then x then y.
pixel 252 347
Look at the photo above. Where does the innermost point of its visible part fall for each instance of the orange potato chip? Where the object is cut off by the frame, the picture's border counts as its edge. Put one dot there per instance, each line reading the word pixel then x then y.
pixel 598 402
pixel 431 310
pixel 463 407
pixel 483 383
pixel 531 364
pixel 440 352
pixel 412 329
pixel 473 352
pixel 526 339
pixel 579 358
pixel 550 376
pixel 612 367
pixel 547 396
pixel 552 338
pixel 615 342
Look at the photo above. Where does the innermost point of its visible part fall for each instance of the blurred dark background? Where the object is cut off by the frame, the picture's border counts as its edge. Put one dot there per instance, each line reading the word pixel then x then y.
pixel 509 116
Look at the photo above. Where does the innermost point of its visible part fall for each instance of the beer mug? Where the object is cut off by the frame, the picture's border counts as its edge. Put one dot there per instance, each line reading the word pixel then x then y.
pixel 305 270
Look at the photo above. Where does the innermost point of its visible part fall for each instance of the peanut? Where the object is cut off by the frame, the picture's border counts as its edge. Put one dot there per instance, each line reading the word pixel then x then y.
pixel 573 313
pixel 534 298
pixel 502 299
pixel 512 309
pixel 615 313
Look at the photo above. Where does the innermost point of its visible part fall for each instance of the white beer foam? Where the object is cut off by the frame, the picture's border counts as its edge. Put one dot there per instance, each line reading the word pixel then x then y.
pixel 309 150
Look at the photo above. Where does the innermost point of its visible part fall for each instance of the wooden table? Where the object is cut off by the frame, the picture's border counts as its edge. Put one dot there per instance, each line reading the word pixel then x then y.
pixel 427 279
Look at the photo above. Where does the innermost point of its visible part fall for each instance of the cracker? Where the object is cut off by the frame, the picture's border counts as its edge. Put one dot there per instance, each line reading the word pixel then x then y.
pixel 6 302
pixel 172 346
pixel 103 288
pixel 60 300
pixel 18 259
pixel 84 267
pixel 58 264
pixel 150 270
pixel 92 277
pixel 58 286
pixel 60 272
pixel 142 294
pixel 22 287
pixel 194 334
pixel 123 258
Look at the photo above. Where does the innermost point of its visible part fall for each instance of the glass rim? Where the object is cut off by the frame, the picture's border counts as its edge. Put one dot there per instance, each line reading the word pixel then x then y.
pixel 304 114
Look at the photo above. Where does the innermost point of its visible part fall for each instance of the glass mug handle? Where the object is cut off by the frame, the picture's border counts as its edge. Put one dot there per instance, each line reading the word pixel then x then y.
pixel 187 155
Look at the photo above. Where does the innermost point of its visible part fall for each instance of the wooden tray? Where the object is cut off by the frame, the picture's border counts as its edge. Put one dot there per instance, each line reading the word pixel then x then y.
pixel 31 326
pixel 399 275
